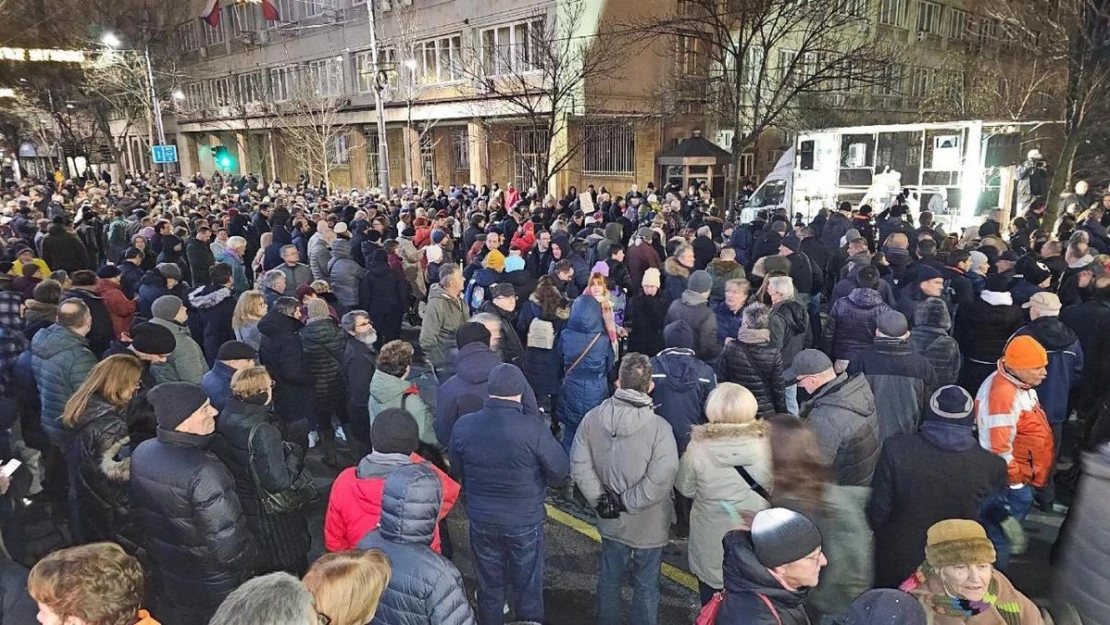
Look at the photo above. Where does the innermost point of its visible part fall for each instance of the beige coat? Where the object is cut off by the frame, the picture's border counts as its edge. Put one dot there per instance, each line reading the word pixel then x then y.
pixel 707 475
pixel 1030 614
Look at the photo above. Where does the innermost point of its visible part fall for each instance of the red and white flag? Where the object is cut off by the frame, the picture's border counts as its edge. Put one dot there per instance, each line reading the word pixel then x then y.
pixel 270 11
pixel 211 13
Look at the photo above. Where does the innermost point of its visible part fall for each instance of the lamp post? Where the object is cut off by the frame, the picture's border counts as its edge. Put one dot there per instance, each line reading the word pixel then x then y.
pixel 112 41
pixel 379 84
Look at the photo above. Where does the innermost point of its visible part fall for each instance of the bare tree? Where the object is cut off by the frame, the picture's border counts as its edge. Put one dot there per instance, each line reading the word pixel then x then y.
pixel 310 125
pixel 1069 35
pixel 406 83
pixel 772 63
pixel 541 81
pixel 994 85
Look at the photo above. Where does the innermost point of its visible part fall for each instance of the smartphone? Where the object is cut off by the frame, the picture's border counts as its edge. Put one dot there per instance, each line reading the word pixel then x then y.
pixel 8 469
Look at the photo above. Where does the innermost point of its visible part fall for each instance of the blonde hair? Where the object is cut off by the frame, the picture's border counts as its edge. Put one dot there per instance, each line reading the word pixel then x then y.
pixel 320 286
pixel 347 585
pixel 238 243
pixel 247 309
pixel 98 583
pixel 731 403
pixel 250 381
pixel 113 378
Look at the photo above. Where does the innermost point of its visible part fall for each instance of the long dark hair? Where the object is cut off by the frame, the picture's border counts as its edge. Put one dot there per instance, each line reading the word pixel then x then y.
pixel 548 297
pixel 800 472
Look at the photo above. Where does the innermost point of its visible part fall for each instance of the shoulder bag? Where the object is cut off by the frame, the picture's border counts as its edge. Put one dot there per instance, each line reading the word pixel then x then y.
pixel 581 356
pixel 292 499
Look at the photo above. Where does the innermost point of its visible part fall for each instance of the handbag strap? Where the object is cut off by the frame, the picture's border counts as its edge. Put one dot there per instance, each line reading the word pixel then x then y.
pixel 771 607
pixel 583 354
pixel 250 457
pixel 754 485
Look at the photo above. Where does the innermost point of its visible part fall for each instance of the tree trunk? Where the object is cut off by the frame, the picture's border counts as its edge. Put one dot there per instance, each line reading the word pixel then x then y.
pixel 1061 176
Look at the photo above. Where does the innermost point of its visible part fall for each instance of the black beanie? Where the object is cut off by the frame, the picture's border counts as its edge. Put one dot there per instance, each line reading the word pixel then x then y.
pixel 394 431
pixel 781 536
pixel 174 402
pixel 236 350
pixel 678 334
pixel 150 338
pixel 472 332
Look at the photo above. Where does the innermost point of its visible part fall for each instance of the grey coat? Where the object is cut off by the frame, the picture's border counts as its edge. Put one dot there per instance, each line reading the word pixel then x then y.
pixel 442 318
pixel 843 418
pixel 693 308
pixel 295 276
pixel 707 474
pixel 319 253
pixel 344 274
pixel 624 445
pixel 1083 582
pixel 186 363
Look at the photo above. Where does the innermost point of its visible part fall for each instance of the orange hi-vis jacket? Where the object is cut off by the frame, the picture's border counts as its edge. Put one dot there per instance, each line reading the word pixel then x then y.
pixel 1013 425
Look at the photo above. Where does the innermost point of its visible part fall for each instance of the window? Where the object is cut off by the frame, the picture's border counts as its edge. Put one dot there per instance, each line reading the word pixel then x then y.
pixel 439 60
pixel 957 23
pixel 187 36
pixel 250 87
pixel 317 7
pixel 373 176
pixel 988 30
pixel 889 82
pixel 339 148
pixel 753 66
pixel 325 77
pixel 283 83
pixel 213 35
pixel 287 12
pixel 221 91
pixel 531 145
pixel 807 68
pixel 786 64
pixel 689 56
pixel 855 8
pixel 928 18
pixel 244 18
pixel 892 13
pixel 364 68
pixel 610 150
pixel 919 80
pixel 460 149
pixel 512 48
pixel 747 164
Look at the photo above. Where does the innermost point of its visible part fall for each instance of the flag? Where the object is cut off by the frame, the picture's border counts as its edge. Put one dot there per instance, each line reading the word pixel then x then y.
pixel 211 14
pixel 269 11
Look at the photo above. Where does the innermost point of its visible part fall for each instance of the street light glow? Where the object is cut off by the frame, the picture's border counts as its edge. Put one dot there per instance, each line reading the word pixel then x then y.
pixel 177 94
pixel 111 40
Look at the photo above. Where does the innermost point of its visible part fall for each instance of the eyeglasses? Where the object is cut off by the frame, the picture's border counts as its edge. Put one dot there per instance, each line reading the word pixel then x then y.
pixel 322 619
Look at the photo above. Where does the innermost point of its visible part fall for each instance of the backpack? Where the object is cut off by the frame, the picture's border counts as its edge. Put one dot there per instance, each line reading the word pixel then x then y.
pixel 475 296
pixel 541 334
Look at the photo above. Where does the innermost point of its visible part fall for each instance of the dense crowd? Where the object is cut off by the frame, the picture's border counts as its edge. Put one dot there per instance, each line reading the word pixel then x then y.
pixel 846 420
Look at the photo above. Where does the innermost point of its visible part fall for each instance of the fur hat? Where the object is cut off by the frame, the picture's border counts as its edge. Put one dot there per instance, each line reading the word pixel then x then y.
pixel 958 541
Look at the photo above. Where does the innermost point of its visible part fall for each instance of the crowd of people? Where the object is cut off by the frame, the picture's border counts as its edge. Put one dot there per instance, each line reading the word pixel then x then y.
pixel 845 420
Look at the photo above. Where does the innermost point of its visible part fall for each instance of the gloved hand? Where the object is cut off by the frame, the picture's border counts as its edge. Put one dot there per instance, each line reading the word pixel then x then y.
pixel 609 505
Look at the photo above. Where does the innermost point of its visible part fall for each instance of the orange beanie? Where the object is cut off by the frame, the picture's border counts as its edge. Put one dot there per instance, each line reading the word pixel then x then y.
pixel 1024 352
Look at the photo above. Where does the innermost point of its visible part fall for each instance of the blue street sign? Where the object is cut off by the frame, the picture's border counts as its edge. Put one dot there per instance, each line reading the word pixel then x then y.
pixel 164 153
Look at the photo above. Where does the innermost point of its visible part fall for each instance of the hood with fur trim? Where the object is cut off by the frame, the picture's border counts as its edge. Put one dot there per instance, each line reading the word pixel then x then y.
pixel 208 296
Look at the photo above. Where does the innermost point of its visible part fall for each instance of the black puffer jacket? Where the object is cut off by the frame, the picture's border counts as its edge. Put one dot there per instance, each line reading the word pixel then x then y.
pixel 852 321
pixel 62 249
pixel 210 310
pixel 193 524
pixel 510 347
pixel 982 330
pixel 284 357
pixel 930 338
pixel 384 295
pixel 102 446
pixel 283 539
pixel 748 582
pixel 790 329
pixel 751 362
pixel 324 344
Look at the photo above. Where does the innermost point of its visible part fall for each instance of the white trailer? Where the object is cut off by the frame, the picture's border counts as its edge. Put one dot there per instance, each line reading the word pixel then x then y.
pixel 958 170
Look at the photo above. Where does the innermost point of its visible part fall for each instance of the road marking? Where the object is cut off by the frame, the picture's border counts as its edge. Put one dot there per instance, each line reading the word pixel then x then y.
pixel 670 571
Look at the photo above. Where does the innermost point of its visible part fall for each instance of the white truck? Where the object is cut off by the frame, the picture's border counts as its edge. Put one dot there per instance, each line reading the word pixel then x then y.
pixel 958 170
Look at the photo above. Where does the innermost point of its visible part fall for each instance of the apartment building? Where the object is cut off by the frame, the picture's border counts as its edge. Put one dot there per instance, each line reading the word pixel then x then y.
pixel 239 77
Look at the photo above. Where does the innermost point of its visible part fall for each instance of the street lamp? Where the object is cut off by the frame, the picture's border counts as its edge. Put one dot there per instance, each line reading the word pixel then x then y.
pixel 111 40
pixel 177 94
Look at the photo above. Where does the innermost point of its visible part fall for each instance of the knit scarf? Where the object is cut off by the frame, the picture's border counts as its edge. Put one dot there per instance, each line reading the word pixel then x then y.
pixel 963 609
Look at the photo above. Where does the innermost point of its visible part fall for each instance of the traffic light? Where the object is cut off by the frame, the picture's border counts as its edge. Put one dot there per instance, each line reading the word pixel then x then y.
pixel 223 157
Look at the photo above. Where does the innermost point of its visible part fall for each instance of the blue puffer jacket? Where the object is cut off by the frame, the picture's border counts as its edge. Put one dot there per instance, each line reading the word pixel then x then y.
pixel 505 460
pixel 466 391
pixel 424 587
pixel 851 326
pixel 586 386
pixel 682 384
pixel 1065 364
pixel 60 360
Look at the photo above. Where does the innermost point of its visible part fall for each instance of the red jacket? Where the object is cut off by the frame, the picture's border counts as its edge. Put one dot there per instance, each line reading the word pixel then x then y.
pixel 120 309
pixel 355 503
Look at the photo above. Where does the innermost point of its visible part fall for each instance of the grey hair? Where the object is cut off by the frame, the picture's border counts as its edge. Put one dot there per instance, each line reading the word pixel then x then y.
pixel 274 599
pixel 446 272
pixel 487 319
pixel 352 317
pixel 704 231
pixel 271 277
pixel 757 317
pixel 287 306
pixel 238 243
pixel 783 285
pixel 288 247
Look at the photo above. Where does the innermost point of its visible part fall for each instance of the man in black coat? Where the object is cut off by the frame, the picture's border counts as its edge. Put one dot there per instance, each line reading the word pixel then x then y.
pixel 84 289
pixel 284 357
pixel 131 274
pixel 199 255
pixel 62 249
pixel 938 473
pixel 211 309
pixel 358 368
pixel 693 308
pixel 196 533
